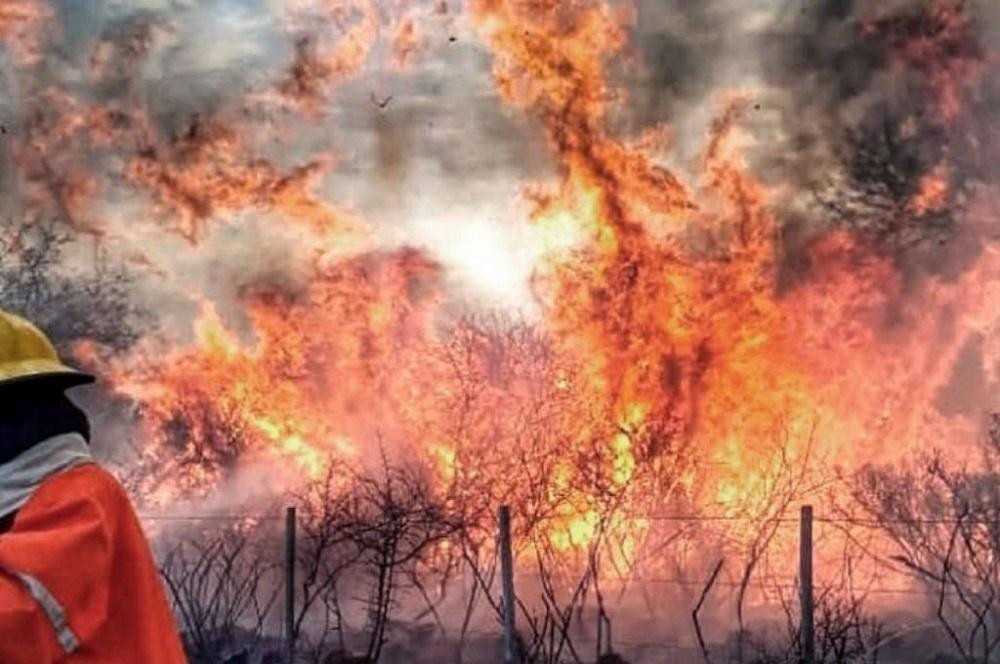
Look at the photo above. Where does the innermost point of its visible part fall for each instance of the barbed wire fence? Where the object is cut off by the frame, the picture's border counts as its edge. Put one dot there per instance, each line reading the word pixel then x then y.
pixel 282 598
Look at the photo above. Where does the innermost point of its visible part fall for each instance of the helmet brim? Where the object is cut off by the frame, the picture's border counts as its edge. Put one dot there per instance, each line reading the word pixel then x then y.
pixel 58 380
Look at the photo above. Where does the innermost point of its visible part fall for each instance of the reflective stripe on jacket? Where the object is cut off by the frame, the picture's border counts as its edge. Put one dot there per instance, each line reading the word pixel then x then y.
pixel 77 581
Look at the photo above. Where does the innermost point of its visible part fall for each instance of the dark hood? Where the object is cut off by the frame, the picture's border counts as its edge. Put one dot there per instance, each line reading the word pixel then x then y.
pixel 30 415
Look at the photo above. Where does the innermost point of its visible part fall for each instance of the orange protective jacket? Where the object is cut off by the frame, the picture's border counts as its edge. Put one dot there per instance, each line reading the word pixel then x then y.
pixel 77 580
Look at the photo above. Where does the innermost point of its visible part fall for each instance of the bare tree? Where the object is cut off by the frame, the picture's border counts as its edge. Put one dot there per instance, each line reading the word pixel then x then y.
pixel 71 305
pixel 517 408
pixel 508 405
pixel 785 480
pixel 325 553
pixel 222 589
pixel 788 481
pixel 393 519
pixel 554 605
pixel 845 632
pixel 943 517
pixel 378 531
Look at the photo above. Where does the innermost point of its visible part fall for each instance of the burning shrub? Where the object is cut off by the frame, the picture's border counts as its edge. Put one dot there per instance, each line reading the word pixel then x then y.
pixel 908 163
pixel 894 187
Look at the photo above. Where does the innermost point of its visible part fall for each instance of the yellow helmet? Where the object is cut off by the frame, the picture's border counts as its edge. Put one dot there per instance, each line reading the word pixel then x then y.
pixel 26 354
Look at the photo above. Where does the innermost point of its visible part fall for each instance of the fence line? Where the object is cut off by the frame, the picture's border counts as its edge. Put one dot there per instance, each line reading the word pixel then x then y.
pixel 209 517
pixel 699 518
pixel 694 518
pixel 764 585
pixel 777 583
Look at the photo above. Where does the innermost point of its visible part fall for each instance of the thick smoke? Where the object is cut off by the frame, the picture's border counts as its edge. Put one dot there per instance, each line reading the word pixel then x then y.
pixel 845 105
pixel 885 111
pixel 218 123
pixel 859 111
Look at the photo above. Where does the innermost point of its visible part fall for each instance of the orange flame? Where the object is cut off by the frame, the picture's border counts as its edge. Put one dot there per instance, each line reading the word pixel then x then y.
pixel 932 192
pixel 673 364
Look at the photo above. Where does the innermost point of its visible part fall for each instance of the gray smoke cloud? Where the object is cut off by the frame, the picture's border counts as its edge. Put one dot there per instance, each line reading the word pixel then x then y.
pixel 429 157
pixel 840 121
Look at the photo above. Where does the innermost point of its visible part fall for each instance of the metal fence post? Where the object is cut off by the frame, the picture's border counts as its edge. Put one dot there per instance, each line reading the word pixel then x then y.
pixel 290 585
pixel 510 654
pixel 808 644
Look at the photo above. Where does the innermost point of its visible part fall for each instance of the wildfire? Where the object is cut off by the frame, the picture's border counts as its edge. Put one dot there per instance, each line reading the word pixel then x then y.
pixel 673 361
pixel 286 390
pixel 698 374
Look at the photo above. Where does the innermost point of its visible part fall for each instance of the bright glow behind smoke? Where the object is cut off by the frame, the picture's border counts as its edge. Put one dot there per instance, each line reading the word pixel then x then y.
pixel 485 256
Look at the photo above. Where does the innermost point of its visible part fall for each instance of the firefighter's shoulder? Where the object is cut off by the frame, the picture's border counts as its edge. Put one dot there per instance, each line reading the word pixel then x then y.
pixel 86 483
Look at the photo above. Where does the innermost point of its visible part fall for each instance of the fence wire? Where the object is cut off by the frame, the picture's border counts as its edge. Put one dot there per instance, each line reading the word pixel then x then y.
pixel 787 584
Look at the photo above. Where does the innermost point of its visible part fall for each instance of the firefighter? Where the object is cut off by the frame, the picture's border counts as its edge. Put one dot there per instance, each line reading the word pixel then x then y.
pixel 77 580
